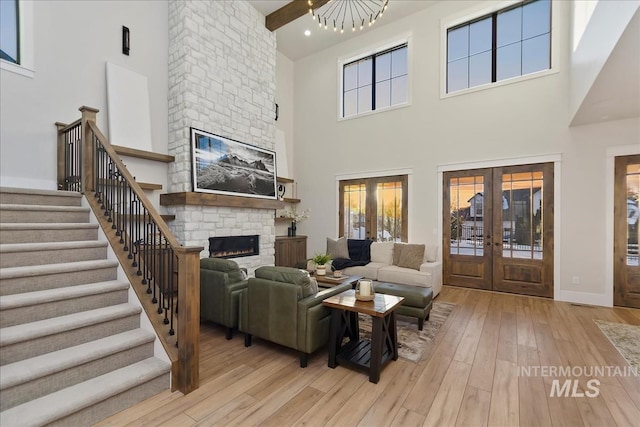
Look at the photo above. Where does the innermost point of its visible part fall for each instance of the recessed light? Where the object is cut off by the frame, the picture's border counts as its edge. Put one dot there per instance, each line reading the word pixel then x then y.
pixel 307 33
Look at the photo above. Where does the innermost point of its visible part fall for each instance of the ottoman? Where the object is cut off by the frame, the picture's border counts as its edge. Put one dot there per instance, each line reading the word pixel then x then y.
pixel 417 300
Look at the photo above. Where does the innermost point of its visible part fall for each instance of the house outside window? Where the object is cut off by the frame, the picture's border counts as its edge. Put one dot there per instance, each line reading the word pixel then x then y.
pixel 508 43
pixel 375 82
pixel 9 31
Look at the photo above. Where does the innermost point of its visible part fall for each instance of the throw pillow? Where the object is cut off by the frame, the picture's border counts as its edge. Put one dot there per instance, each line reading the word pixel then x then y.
pixel 314 286
pixel 382 252
pixel 359 249
pixel 337 248
pixel 397 250
pixel 411 256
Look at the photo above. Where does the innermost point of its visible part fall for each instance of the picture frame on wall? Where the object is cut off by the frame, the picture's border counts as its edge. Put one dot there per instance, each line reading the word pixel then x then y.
pixel 223 165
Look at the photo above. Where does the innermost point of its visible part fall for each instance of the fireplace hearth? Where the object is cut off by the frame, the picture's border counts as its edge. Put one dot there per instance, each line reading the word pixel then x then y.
pixel 234 246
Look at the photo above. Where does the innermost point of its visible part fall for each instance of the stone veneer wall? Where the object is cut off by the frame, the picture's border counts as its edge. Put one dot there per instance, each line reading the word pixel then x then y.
pixel 222 79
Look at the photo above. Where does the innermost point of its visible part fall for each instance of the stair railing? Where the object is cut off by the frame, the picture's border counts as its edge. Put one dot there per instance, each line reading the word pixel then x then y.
pixel 164 274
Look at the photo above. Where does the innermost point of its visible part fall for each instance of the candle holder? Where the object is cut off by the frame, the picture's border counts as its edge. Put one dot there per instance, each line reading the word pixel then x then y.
pixel 365 290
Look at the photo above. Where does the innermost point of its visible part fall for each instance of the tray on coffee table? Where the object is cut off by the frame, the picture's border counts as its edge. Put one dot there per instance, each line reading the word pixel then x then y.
pixel 330 281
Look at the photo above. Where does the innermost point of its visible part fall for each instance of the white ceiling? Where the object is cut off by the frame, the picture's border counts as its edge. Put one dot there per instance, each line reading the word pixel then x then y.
pixel 615 94
pixel 295 45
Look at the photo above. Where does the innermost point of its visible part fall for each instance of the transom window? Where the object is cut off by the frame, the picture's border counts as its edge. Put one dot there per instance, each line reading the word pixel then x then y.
pixel 9 31
pixel 508 43
pixel 375 82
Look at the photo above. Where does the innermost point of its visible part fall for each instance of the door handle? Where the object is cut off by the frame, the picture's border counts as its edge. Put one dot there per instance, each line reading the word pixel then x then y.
pixel 497 243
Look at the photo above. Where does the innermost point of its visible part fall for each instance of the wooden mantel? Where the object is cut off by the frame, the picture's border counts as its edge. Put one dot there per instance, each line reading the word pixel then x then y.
pixel 206 199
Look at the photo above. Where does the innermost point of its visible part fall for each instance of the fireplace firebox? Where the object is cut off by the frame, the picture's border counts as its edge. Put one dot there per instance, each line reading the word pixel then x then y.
pixel 234 246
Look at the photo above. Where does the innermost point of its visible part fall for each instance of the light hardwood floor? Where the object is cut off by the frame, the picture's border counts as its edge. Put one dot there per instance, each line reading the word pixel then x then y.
pixel 469 377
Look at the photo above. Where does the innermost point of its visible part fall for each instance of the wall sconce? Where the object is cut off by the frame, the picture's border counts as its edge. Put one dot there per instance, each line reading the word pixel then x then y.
pixel 126 40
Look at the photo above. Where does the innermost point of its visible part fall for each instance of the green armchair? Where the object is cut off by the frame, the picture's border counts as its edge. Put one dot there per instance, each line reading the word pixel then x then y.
pixel 221 282
pixel 281 305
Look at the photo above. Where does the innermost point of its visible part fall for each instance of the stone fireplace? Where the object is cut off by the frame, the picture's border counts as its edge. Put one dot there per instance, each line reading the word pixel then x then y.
pixel 222 79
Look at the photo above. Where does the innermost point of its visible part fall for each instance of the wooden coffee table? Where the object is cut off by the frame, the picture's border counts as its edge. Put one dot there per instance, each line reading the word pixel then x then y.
pixel 363 354
pixel 330 281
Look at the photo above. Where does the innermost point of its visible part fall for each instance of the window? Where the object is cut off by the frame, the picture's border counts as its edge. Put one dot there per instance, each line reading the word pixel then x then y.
pixel 375 82
pixel 374 208
pixel 508 43
pixel 9 31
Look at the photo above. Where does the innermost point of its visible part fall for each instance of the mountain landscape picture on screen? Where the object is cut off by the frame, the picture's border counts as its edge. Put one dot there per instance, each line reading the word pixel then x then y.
pixel 222 165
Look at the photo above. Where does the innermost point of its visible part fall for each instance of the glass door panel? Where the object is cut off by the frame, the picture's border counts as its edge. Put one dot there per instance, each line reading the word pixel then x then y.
pixel 633 213
pixel 466 195
pixel 522 215
pixel 390 213
pixel 354 215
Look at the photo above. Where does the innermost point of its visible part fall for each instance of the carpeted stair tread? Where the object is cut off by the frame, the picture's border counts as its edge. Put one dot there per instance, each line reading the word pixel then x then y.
pixel 39 197
pixel 44 269
pixel 39 192
pixel 29 331
pixel 46 225
pixel 43 208
pixel 26 370
pixel 38 231
pixel 65 402
pixel 8 302
pixel 51 246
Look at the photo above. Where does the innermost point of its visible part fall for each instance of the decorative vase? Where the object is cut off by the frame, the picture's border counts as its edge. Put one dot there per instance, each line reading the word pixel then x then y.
pixel 321 270
pixel 293 228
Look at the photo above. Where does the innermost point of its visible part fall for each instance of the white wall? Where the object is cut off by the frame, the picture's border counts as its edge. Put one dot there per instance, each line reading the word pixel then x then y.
pixel 528 118
pixel 285 99
pixel 72 42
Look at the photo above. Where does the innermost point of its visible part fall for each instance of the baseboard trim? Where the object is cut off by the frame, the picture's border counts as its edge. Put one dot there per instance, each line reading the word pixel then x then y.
pixel 603 300
pixel 18 182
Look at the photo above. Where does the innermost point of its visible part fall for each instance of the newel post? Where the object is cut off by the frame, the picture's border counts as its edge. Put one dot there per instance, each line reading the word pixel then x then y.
pixel 88 177
pixel 62 173
pixel 188 318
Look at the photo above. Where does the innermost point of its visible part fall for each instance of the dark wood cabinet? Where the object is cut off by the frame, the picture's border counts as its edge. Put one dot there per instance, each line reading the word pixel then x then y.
pixel 291 251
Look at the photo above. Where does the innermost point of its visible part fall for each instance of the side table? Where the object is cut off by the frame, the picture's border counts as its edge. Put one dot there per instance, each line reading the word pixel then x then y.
pixel 363 354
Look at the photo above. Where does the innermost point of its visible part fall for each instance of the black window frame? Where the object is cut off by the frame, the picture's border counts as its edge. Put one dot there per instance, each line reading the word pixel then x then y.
pixel 494 42
pixel 373 57
pixel 5 56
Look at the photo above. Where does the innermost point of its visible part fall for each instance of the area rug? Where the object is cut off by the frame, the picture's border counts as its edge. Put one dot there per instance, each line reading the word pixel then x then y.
pixel 625 338
pixel 412 343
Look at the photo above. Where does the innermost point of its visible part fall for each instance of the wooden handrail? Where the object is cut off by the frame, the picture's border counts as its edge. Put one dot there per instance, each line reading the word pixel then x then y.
pixel 134 185
pixel 184 271
pixel 63 127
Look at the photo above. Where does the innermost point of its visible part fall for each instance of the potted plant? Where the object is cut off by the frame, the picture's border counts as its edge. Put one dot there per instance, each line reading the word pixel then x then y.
pixel 321 261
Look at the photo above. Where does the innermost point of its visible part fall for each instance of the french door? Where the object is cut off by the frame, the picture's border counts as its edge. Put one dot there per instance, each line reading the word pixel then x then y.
pixel 626 267
pixel 374 208
pixel 498 229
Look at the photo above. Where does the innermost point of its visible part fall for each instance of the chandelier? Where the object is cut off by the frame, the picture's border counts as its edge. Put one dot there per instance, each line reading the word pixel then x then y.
pixel 339 14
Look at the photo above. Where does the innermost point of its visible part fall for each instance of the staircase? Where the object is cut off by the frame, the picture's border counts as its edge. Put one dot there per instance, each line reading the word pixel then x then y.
pixel 71 348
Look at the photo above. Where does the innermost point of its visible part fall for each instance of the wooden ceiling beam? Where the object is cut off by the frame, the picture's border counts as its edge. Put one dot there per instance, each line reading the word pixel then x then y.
pixel 290 12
